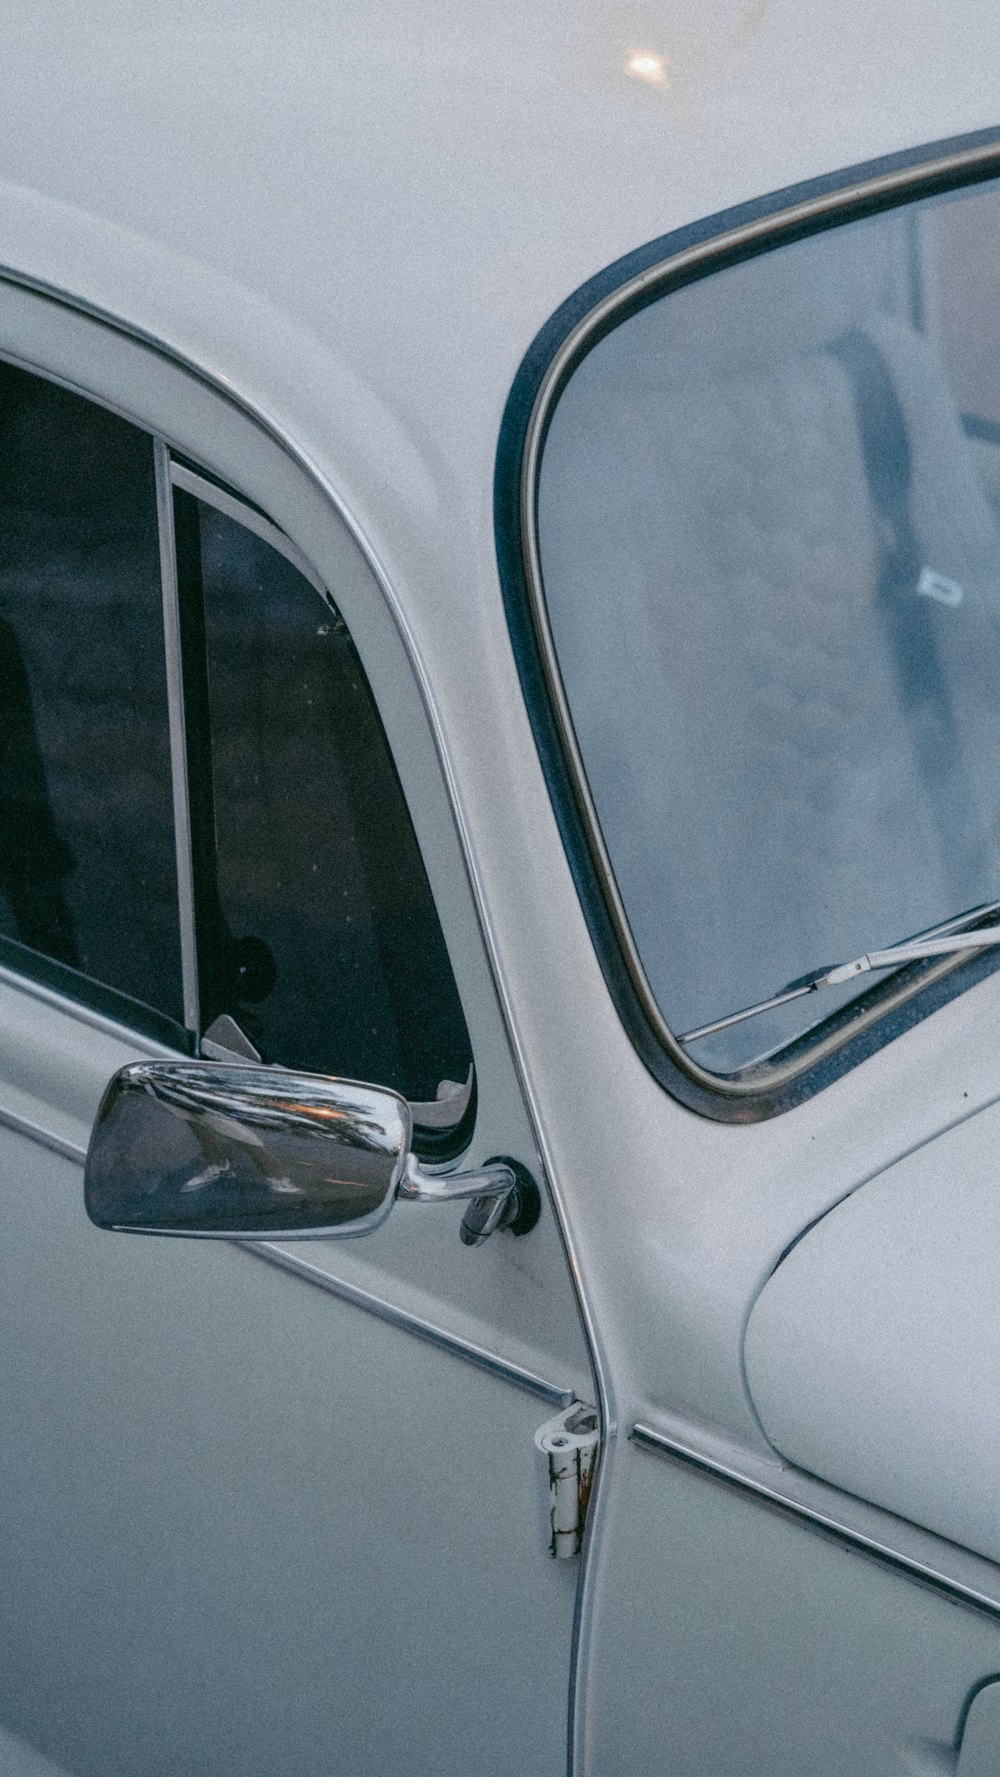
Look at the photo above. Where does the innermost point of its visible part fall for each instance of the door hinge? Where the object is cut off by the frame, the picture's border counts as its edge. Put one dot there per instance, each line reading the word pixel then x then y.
pixel 568 1447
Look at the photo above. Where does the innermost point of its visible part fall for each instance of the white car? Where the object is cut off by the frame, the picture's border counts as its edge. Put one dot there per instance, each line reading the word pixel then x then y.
pixel 500 669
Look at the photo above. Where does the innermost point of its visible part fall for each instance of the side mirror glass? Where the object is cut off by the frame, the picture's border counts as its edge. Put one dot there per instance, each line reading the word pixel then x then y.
pixel 244 1151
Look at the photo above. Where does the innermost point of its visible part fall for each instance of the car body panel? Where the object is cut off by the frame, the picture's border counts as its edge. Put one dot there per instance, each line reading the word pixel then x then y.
pixel 227 1499
pixel 767 1647
pixel 871 1352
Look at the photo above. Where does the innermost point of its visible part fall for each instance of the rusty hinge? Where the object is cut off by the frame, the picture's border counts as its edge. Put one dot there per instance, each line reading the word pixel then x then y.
pixel 568 1446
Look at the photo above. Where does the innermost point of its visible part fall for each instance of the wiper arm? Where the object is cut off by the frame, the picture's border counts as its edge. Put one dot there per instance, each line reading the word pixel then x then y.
pixel 935 941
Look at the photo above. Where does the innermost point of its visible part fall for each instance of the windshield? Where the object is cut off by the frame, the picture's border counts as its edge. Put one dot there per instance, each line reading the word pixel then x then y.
pixel 769 538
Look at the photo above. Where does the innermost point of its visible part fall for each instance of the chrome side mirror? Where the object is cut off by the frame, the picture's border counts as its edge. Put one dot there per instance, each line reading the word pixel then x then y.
pixel 254 1153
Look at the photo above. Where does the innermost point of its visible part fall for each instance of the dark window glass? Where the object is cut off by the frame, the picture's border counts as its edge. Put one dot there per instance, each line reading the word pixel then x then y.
pixel 87 869
pixel 769 526
pixel 318 933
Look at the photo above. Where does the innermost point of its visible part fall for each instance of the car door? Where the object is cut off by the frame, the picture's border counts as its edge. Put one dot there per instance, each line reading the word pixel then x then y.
pixel 263 1508
pixel 748 522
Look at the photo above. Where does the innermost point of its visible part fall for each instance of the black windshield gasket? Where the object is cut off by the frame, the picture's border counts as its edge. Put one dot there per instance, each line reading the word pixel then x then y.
pixel 837 1045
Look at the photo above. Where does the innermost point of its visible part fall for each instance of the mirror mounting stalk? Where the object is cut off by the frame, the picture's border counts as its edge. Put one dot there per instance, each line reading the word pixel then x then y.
pixel 418 1186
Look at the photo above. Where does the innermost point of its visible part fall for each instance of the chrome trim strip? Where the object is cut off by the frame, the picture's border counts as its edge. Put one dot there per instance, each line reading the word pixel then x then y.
pixel 178 736
pixel 932 1559
pixel 550 1392
pixel 44 1137
pixel 261 527
pixel 768 230
pixel 65 382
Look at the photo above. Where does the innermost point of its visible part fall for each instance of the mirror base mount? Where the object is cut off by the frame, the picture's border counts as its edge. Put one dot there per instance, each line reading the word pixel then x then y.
pixel 518 1211
pixel 501 1194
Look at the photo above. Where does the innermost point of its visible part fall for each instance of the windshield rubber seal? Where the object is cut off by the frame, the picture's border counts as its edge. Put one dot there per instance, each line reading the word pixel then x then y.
pixel 833 1047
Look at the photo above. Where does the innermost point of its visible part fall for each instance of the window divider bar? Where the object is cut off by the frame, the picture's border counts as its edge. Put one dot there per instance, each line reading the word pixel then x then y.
pixel 178 736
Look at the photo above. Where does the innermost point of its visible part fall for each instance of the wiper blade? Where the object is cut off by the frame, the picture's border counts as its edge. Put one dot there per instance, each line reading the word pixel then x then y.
pixel 937 940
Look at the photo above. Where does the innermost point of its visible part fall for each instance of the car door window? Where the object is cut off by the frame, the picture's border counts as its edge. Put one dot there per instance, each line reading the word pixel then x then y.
pixel 198 805
pixel 87 871
pixel 318 931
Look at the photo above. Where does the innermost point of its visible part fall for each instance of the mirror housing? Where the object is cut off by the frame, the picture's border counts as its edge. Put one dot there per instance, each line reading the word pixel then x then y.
pixel 248 1152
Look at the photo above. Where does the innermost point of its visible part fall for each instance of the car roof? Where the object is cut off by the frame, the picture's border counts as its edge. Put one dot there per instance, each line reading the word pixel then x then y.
pixel 361 216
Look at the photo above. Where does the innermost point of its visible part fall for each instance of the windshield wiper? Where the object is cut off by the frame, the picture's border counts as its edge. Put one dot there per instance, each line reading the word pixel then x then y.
pixel 935 941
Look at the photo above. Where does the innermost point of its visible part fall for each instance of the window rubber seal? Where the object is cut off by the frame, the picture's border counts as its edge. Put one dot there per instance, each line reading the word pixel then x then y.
pixel 838 1044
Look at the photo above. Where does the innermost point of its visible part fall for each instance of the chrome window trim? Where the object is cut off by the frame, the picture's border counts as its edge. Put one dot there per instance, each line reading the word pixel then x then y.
pixel 765 1088
pixel 183 840
pixel 921 1554
pixel 19 362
